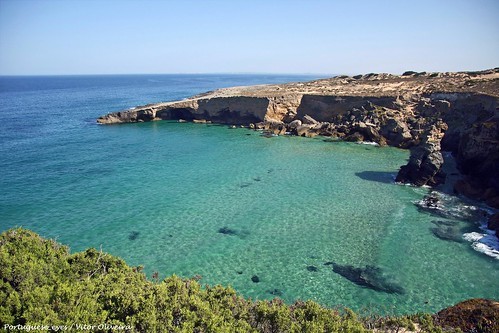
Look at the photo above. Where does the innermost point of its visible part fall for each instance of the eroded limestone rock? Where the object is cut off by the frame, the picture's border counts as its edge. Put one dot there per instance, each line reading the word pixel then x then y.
pixel 426 160
pixel 400 111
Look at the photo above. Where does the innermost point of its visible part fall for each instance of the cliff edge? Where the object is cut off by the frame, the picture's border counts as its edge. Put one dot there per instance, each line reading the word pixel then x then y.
pixel 424 112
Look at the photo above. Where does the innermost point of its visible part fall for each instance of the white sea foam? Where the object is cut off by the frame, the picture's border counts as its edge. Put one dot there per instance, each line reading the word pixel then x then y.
pixel 368 143
pixel 453 207
pixel 486 243
pixel 472 236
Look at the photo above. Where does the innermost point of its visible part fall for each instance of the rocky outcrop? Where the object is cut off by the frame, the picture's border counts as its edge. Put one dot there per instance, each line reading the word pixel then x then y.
pixel 424 112
pixel 474 315
pixel 478 157
pixel 426 160
pixel 225 110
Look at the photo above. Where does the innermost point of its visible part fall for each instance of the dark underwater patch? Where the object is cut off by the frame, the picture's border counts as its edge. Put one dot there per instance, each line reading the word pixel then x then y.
pixel 275 292
pixel 370 277
pixel 227 231
pixel 233 232
pixel 447 230
pixel 133 235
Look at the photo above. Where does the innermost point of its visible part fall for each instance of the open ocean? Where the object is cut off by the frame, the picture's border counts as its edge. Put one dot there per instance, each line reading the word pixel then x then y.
pixel 227 204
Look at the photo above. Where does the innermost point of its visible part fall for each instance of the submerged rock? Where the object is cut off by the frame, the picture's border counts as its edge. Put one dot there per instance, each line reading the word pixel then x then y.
pixel 312 269
pixel 227 231
pixel 233 232
pixel 255 279
pixel 431 202
pixel 447 233
pixel 370 277
pixel 133 235
pixel 275 292
pixel 450 207
pixel 443 223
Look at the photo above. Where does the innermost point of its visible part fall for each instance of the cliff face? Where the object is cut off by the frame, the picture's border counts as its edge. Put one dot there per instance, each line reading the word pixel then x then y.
pixel 225 110
pixel 424 112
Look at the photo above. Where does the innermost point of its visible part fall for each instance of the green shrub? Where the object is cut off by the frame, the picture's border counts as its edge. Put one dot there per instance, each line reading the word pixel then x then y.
pixel 41 283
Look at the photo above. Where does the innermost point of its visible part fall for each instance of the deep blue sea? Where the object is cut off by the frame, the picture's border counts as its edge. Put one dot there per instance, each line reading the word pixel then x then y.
pixel 227 204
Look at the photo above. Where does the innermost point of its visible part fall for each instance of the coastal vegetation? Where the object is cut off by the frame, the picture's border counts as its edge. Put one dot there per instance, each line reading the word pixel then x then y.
pixel 43 285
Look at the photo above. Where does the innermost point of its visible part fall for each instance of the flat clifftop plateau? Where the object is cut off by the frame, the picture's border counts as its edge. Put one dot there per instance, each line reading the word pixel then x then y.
pixel 326 97
pixel 375 85
pixel 424 112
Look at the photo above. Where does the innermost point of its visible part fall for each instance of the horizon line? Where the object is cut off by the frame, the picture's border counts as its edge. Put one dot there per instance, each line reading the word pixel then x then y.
pixel 246 73
pixel 178 73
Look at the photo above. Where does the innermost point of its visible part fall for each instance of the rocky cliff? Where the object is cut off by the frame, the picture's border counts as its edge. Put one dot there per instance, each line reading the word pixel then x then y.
pixel 424 112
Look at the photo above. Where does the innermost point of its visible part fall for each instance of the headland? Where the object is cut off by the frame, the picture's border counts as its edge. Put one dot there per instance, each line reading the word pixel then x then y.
pixel 425 112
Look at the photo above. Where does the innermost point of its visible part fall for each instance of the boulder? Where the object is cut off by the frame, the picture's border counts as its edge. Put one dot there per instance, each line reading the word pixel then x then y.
pixel 354 137
pixel 305 130
pixel 309 120
pixel 272 127
pixel 370 133
pixel 294 124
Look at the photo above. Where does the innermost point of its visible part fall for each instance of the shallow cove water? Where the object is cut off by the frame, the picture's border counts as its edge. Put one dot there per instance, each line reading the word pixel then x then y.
pixel 227 204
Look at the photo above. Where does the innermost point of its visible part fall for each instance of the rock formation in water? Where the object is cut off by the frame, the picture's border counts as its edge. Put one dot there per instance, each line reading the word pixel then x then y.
pixel 424 112
pixel 370 277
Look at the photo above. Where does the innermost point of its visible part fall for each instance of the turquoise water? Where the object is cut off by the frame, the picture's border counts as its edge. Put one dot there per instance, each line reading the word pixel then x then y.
pixel 157 194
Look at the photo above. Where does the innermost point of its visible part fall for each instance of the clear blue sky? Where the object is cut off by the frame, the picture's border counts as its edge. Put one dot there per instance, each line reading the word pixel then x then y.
pixel 255 36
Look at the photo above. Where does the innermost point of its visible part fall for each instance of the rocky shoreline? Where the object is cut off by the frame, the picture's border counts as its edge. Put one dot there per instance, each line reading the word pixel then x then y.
pixel 425 112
